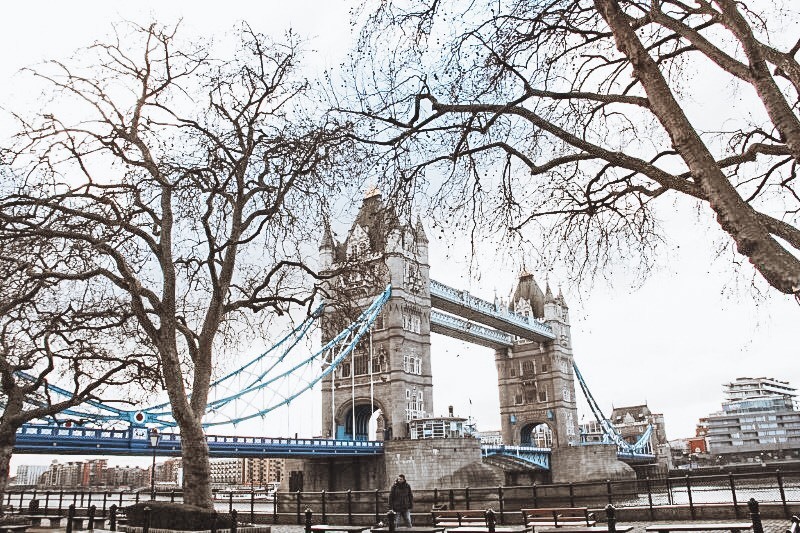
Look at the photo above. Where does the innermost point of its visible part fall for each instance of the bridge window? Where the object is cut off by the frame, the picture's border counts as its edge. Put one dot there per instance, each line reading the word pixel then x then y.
pixel 379 360
pixel 543 367
pixel 412 321
pixel 412 363
pixel 360 364
pixel 566 395
pixel 528 367
pixel 518 398
pixel 512 370
pixel 530 392
pixel 379 323
pixel 345 366
pixel 543 395
pixel 415 406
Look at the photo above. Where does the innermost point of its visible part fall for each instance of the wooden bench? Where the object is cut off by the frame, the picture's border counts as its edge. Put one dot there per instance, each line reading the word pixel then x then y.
pixel 14 528
pixel 486 529
pixel 459 518
pixel 52 520
pixel 77 522
pixel 414 529
pixel 733 527
pixel 581 529
pixel 556 517
pixel 343 529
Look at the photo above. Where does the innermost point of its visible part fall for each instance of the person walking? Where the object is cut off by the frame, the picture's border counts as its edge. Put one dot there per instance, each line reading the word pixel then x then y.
pixel 401 501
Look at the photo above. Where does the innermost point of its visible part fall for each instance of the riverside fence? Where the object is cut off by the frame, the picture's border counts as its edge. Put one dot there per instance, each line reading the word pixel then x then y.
pixel 692 492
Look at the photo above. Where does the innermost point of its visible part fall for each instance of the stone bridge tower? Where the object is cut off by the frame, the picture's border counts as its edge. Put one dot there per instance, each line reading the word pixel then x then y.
pixel 536 379
pixel 391 370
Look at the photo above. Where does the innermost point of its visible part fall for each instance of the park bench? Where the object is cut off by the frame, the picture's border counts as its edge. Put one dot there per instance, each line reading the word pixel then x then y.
pixel 557 517
pixel 324 528
pixel 459 518
pixel 52 520
pixel 14 528
pixel 413 529
pixel 77 522
pixel 733 527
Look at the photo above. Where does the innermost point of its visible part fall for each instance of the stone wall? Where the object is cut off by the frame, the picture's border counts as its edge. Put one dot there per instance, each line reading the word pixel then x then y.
pixel 336 474
pixel 588 463
pixel 435 463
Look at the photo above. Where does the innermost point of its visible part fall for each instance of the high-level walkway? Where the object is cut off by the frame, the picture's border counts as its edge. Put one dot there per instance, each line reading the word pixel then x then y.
pixel 477 310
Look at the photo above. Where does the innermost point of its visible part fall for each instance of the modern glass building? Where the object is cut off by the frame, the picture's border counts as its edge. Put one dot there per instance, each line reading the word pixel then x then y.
pixel 759 420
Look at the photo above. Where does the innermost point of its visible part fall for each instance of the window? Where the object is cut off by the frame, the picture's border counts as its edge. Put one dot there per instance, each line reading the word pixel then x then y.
pixel 415 407
pixel 412 321
pixel 530 391
pixel 412 363
pixel 543 367
pixel 512 370
pixel 345 366
pixel 543 395
pixel 360 362
pixel 379 324
pixel 379 360
pixel 518 398
pixel 565 394
pixel 528 368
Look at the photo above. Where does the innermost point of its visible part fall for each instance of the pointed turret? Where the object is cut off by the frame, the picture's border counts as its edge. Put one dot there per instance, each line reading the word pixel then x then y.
pixel 420 232
pixel 560 298
pixel 327 247
pixel 548 294
pixel 529 291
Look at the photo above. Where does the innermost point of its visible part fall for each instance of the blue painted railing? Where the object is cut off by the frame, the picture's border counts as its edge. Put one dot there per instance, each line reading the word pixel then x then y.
pixel 35 438
pixel 531 454
pixel 465 300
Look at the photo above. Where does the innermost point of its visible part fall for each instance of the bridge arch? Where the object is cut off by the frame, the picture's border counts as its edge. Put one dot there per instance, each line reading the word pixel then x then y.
pixel 365 411
pixel 536 434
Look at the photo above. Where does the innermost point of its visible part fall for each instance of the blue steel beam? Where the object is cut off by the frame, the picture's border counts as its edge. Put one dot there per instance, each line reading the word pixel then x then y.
pixel 465 330
pixel 36 438
pixel 539 457
pixel 463 304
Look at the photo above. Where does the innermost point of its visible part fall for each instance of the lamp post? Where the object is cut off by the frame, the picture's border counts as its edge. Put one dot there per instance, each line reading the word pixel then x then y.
pixel 154 444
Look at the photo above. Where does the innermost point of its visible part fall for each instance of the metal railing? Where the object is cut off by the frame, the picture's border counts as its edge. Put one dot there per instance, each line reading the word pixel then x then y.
pixel 352 506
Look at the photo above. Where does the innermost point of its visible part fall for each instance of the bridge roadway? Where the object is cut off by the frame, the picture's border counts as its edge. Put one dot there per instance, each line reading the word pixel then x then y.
pixel 46 439
pixel 40 439
pixel 474 309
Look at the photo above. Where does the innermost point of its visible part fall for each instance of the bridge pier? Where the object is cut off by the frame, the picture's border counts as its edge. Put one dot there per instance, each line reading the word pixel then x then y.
pixel 585 463
pixel 426 463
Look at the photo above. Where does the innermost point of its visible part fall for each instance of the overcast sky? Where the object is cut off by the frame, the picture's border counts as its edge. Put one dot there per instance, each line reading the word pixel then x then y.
pixel 670 343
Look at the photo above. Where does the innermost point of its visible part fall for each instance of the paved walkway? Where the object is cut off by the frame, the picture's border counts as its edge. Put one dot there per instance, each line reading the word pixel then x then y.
pixel 770 526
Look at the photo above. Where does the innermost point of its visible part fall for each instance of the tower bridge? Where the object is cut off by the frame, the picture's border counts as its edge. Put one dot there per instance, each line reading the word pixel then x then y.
pixel 386 376
pixel 530 336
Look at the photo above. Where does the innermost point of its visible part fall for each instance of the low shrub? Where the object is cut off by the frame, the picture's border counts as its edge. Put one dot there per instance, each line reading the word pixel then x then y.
pixel 168 515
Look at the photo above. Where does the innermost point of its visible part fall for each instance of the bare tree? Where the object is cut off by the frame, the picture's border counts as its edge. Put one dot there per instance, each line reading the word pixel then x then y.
pixel 579 114
pixel 51 331
pixel 196 180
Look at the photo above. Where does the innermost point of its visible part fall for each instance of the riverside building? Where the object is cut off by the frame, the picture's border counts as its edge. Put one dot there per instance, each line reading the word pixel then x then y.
pixel 759 421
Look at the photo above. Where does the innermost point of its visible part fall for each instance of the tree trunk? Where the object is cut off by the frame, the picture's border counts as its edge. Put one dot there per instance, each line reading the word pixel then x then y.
pixel 7 439
pixel 196 467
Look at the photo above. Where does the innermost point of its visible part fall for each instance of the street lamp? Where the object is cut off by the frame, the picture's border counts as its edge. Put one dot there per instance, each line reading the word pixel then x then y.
pixel 154 444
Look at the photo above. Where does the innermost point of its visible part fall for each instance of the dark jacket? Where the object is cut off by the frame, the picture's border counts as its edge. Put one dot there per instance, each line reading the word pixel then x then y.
pixel 400 497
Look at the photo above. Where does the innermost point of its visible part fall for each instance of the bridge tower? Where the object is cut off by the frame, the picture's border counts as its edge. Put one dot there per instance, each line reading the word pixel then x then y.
pixel 391 369
pixel 535 379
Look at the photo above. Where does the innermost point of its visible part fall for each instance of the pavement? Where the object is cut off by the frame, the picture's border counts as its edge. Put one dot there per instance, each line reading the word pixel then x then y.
pixel 770 526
